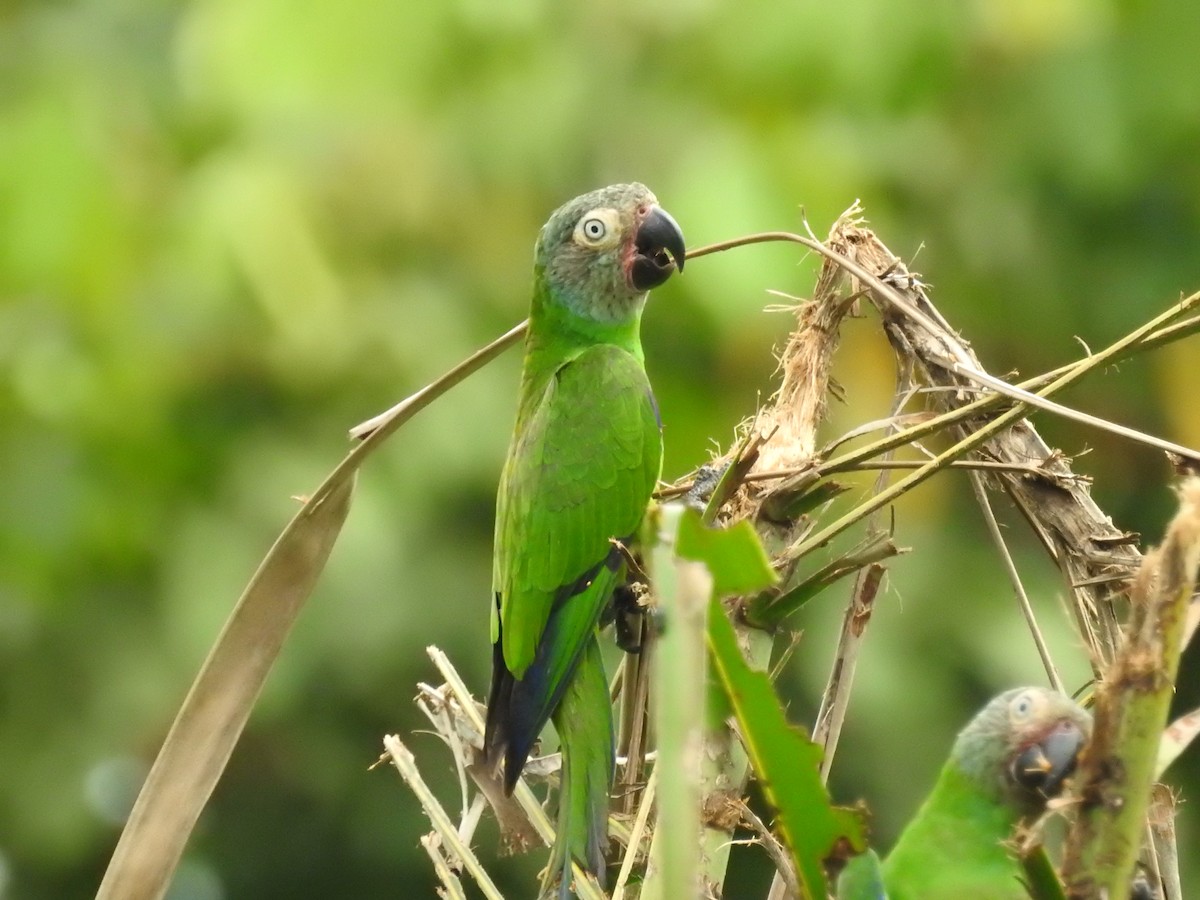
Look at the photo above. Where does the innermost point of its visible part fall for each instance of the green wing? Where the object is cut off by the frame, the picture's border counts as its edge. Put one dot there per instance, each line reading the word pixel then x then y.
pixel 579 473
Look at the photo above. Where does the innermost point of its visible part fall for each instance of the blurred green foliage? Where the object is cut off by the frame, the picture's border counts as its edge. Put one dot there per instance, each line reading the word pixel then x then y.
pixel 231 229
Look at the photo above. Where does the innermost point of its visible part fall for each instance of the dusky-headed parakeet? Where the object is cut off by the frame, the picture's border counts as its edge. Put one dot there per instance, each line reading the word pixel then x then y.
pixel 1012 757
pixel 585 457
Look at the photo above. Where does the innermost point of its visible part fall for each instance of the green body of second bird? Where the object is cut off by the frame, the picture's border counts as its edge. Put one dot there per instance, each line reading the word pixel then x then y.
pixel 1011 757
pixel 585 457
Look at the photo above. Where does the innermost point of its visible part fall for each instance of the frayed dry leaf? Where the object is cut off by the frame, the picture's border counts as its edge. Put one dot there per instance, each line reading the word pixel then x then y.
pixel 1191 622
pixel 1177 737
pixel 217 706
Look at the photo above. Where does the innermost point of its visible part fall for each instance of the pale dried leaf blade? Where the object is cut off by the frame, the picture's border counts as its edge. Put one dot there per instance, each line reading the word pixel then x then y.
pixel 454 849
pixel 215 711
pixel 1192 622
pixel 1177 737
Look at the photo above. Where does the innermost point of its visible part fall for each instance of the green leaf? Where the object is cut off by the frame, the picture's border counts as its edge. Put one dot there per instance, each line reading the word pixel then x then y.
pixel 786 505
pixel 786 762
pixel 768 609
pixel 734 556
pixel 745 455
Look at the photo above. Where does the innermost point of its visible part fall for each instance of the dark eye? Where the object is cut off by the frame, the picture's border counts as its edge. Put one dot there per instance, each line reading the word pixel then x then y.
pixel 594 229
pixel 1023 706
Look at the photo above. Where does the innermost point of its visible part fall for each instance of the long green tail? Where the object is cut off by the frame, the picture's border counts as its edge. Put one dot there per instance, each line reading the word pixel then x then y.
pixel 584 724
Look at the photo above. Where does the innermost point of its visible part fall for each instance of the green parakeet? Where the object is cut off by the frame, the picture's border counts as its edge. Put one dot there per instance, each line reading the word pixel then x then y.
pixel 1012 757
pixel 585 457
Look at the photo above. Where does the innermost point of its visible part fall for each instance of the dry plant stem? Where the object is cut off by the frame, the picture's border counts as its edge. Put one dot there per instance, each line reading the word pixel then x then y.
pixel 385 421
pixel 636 834
pixel 440 717
pixel 1014 577
pixel 403 759
pixel 789 426
pixel 1160 337
pixel 836 698
pixel 470 820
pixel 969 465
pixel 376 430
pixel 451 885
pixel 863 458
pixel 1162 835
pixel 1149 857
pixel 463 740
pixel 635 720
pixel 620 691
pixel 785 873
pixel 585 886
pixel 617 682
pixel 1118 765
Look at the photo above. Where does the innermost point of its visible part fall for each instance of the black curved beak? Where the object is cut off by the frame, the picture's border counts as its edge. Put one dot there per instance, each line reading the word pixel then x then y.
pixel 1043 766
pixel 658 250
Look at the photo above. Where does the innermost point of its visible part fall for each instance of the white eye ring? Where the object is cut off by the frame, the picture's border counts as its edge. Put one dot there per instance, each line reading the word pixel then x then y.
pixel 1023 706
pixel 594 229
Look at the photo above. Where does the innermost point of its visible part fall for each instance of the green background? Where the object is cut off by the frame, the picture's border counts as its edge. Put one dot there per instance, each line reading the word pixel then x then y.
pixel 231 229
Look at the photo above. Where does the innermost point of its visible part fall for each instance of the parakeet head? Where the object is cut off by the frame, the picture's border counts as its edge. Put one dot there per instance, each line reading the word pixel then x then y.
pixel 601 252
pixel 1023 745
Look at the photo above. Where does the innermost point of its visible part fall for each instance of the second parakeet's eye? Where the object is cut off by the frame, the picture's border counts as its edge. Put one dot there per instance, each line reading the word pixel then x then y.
pixel 594 229
pixel 1022 706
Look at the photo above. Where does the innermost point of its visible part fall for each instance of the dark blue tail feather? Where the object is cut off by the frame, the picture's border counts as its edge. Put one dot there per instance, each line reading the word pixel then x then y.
pixel 519 709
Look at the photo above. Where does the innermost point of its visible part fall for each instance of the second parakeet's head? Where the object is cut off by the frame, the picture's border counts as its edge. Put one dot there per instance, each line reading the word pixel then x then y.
pixel 1023 745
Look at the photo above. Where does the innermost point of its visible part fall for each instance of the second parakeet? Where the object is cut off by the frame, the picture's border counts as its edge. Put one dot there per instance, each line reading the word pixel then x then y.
pixel 585 457
pixel 1012 757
